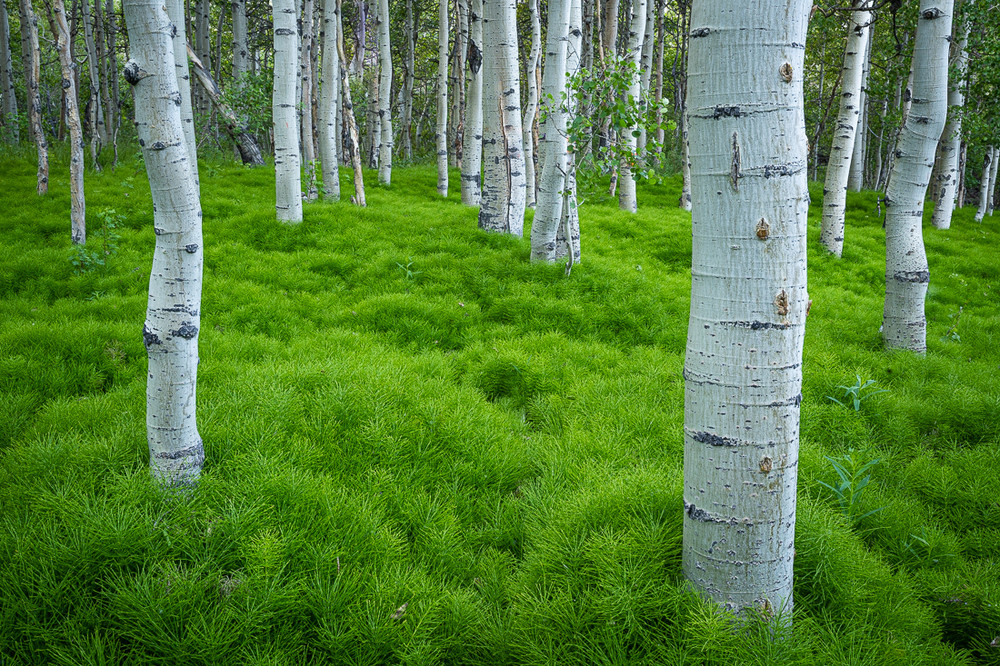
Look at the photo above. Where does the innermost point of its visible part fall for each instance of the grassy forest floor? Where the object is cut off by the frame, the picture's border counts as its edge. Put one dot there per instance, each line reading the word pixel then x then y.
pixel 421 448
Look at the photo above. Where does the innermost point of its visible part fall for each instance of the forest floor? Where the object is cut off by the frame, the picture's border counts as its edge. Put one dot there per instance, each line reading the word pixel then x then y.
pixel 422 448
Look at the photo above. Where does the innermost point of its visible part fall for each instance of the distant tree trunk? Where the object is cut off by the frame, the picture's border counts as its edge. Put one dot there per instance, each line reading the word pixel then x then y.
pixel 385 95
pixel 626 181
pixel 330 96
pixel 609 25
pixel 904 325
pixel 112 105
pixel 472 150
pixel 288 177
pixel 457 115
pixel 29 26
pixel 962 155
pixel 984 183
pixel 203 43
pixel 531 111
pixel 856 177
pixel 660 36
pixel 568 234
pixel 441 132
pixel 501 207
pixel 991 189
pixel 246 144
pixel 838 167
pixel 352 146
pixel 743 368
pixel 241 44
pixel 173 314
pixel 373 103
pixel 175 10
pixel 951 140
pixel 406 114
pixel 78 206
pixel 99 135
pixel 8 112
pixel 305 72
pixel 646 67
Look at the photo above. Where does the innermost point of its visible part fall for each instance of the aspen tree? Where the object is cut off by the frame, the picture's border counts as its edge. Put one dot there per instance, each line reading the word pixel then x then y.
pixel 856 178
pixel 241 42
pixel 182 73
pixel 441 129
pixel 646 66
pixel 98 132
pixel 330 101
pixel 951 139
pixel 907 275
pixel 384 95
pixel 305 92
pixel 406 96
pixel 8 112
pixel 984 182
pixel 78 206
pixel 472 138
pixel 839 165
pixel 29 27
pixel 288 177
pixel 568 233
pixel 992 186
pixel 531 110
pixel 743 372
pixel 170 333
pixel 626 181
pixel 351 146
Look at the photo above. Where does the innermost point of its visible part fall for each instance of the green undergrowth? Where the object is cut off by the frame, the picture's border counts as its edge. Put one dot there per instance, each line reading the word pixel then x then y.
pixel 421 448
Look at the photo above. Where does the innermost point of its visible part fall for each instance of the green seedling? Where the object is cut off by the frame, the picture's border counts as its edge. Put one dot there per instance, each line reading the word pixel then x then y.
pixel 853 481
pixel 857 394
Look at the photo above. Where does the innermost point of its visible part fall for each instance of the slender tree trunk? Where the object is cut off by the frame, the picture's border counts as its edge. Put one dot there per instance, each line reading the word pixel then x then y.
pixel 990 198
pixel 203 44
pixel 406 115
pixel 113 121
pixel 98 134
pixel 441 133
pixel 531 111
pixel 659 36
pixel 352 147
pixel 646 68
pixel 173 314
pixel 743 372
pixel 29 26
pixel 8 111
pixel 984 183
pixel 838 167
pixel 78 207
pixel 175 10
pixel 385 95
pixel 288 177
pixel 609 28
pixel 501 207
pixel 305 72
pixel 626 182
pixel 241 44
pixel 951 140
pixel 472 150
pixel 457 115
pixel 568 234
pixel 330 96
pixel 906 272
pixel 962 154
pixel 856 177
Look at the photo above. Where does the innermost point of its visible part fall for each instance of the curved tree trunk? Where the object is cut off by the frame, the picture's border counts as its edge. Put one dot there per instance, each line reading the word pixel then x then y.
pixel 951 140
pixel 182 74
pixel 330 101
pixel 531 110
pixel 472 139
pixel 743 373
pixel 29 26
pixel 78 206
pixel 384 95
pixel 288 177
pixel 838 167
pixel 907 275
pixel 170 333
pixel 441 131
pixel 626 182
pixel 501 207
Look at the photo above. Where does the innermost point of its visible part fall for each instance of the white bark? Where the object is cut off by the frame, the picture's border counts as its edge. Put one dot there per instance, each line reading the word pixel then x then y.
pixel 552 144
pixel 330 100
pixel 951 139
pixel 856 178
pixel 406 94
pixel 8 111
pixel 384 95
pixel 288 177
pixel 984 183
pixel 839 166
pixel 568 234
pixel 78 207
pixel 29 27
pixel 99 135
pixel 241 44
pixel 993 181
pixel 352 145
pixel 531 110
pixel 906 272
pixel 646 67
pixel 441 129
pixel 743 371
pixel 182 73
pixel 170 333
pixel 626 182
pixel 305 90
pixel 472 138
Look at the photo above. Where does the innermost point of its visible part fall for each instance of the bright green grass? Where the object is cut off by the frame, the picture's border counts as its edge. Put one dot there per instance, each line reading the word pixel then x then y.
pixel 400 409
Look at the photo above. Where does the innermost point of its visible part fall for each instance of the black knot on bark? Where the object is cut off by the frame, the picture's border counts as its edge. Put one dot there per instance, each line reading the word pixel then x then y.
pixel 149 338
pixel 931 13
pixel 65 84
pixel 191 248
pixel 157 145
pixel 700 32
pixel 726 112
pixel 133 73
pixel 186 331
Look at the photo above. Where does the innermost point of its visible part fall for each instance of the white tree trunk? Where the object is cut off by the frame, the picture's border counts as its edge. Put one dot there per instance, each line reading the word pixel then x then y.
pixel 531 110
pixel 384 95
pixel 406 95
pixel 839 166
pixel 856 178
pixel 352 145
pixel 472 138
pixel 646 67
pixel 288 176
pixel 182 73
pixel 8 112
pixel 173 315
pixel 330 100
pixel 552 144
pixel 99 135
pixel 984 183
pixel 568 234
pixel 951 139
pixel 743 372
pixel 626 182
pixel 993 181
pixel 241 43
pixel 441 129
pixel 78 206
pixel 305 90
pixel 906 272
pixel 501 208
pixel 29 27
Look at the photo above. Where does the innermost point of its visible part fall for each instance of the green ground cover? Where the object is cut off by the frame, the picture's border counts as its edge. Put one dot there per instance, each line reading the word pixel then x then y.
pixel 421 448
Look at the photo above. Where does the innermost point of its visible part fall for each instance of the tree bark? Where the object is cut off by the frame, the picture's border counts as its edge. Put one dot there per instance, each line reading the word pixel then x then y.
pixel 288 177
pixel 907 275
pixel 568 233
pixel 384 95
pixel 306 88
pixel 951 140
pixel 626 181
pixel 182 74
pixel 856 177
pixel 743 373
pixel 991 189
pixel 984 183
pixel 99 135
pixel 241 44
pixel 330 96
pixel 501 207
pixel 8 111
pixel 531 110
pixel 78 206
pixel 646 68
pixel 441 131
pixel 173 314
pixel 353 147
pixel 29 26
pixel 406 114
pixel 838 167
pixel 472 149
